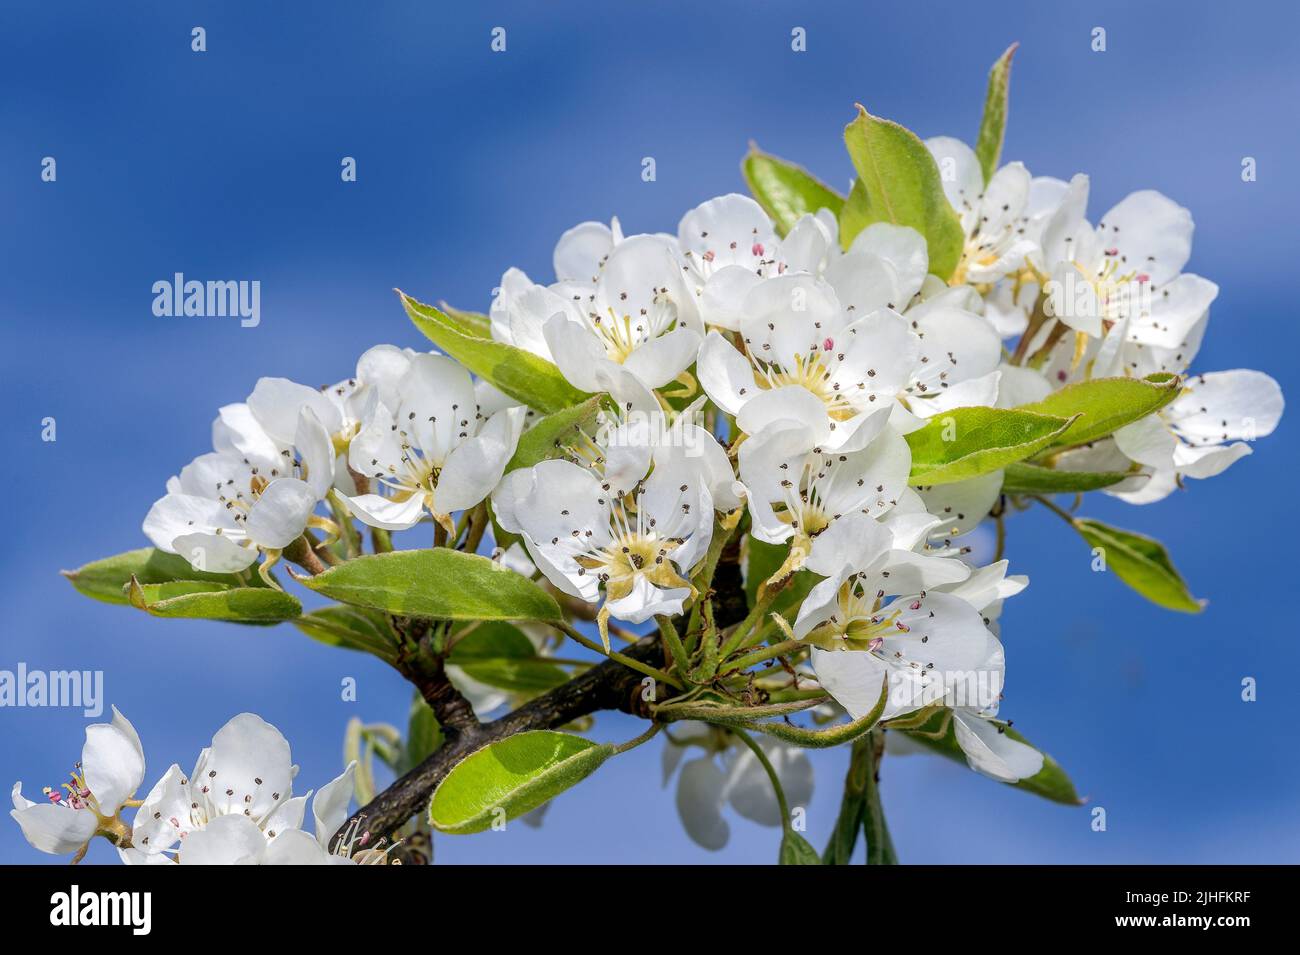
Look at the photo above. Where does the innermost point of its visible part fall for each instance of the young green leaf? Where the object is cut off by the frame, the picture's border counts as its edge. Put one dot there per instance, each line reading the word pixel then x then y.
pixel 900 184
pixel 993 125
pixel 786 191
pixel 205 600
pixel 853 804
pixel 1023 478
pixel 474 324
pixel 1140 562
pixel 423 734
pixel 938 734
pixel 513 776
pixel 107 579
pixel 353 628
pixel 520 374
pixel 500 655
pixel 796 850
pixel 439 583
pixel 547 438
pixel 967 442
pixel 1104 405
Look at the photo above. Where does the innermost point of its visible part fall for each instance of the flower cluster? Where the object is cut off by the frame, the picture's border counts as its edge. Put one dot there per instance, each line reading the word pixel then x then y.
pixel 825 394
pixel 1089 301
pixel 236 807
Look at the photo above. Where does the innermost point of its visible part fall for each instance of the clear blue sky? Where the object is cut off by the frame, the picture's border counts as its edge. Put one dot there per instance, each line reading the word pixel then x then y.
pixel 226 165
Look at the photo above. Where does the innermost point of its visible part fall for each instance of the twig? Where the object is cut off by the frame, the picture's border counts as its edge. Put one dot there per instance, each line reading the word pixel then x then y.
pixel 610 685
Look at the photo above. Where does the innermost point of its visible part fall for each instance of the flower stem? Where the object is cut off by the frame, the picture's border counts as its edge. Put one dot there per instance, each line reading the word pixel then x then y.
pixel 637 741
pixel 673 642
pixel 766 653
pixel 572 632
pixel 771 774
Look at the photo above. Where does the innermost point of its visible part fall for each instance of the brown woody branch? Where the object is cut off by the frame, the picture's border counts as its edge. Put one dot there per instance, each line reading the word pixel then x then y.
pixel 607 686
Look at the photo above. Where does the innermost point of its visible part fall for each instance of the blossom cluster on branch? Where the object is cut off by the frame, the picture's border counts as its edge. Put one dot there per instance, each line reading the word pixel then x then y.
pixel 762 440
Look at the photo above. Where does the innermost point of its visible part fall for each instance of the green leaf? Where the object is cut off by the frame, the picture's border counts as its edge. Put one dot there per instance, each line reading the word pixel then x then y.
pixel 796 850
pixel 1022 478
pixel 988 147
pixel 548 437
pixel 520 374
pixel 353 628
pixel 206 600
pixel 474 324
pixel 1142 563
pixel 786 191
pixel 1104 405
pixel 900 184
pixel 514 775
pixel 853 804
pixel 967 442
pixel 500 655
pixel 107 579
pixel 938 734
pixel 855 214
pixel 423 734
pixel 439 583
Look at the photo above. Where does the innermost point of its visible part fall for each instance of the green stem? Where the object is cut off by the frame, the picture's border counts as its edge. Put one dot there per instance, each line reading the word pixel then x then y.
pixel 637 741
pixel 771 774
pixel 674 642
pixel 1063 514
pixel 766 653
pixel 764 599
pixel 880 848
pixel 644 668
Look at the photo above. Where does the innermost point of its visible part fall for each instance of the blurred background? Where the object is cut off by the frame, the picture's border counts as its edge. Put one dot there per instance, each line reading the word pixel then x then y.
pixel 225 165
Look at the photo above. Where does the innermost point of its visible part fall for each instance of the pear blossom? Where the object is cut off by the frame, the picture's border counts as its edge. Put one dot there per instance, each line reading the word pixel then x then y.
pixel 994 218
pixel 632 330
pixel 432 452
pixel 928 645
pixel 728 245
pixel 110 771
pixel 226 507
pixel 246 772
pixel 236 805
pixel 267 422
pixel 728 773
pixel 837 354
pixel 1125 273
pixel 796 492
pixel 633 521
pixel 1189 437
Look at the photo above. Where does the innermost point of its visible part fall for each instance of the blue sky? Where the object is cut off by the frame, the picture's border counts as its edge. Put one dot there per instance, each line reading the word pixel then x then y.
pixel 225 165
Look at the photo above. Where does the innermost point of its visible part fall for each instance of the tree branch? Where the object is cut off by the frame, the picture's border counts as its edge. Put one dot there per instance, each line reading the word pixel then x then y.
pixel 607 686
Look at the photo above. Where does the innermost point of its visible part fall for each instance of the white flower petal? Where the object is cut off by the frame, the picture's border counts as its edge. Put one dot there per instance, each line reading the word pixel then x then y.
pixel 57 830
pixel 250 757
pixel 330 807
pixel 1151 233
pixel 474 466
pixel 280 514
pixel 699 803
pixel 226 840
pixel 994 753
pixel 113 762
pixel 275 403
